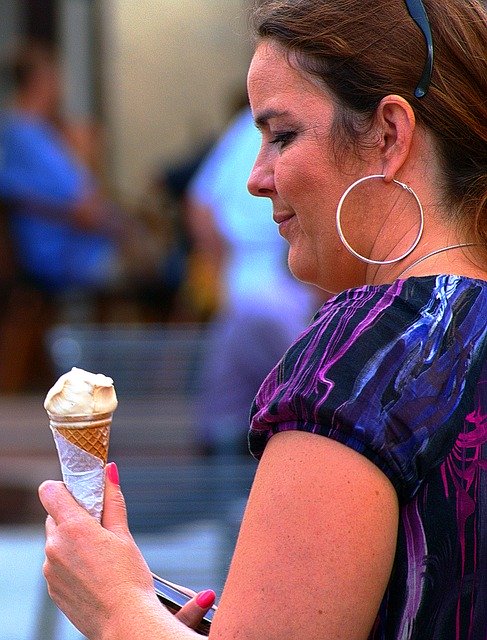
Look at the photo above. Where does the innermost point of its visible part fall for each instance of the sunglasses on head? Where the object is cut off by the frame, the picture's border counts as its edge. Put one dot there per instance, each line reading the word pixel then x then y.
pixel 418 13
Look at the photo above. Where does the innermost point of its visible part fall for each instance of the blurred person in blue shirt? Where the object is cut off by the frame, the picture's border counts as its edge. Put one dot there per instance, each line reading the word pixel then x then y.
pixel 262 308
pixel 67 234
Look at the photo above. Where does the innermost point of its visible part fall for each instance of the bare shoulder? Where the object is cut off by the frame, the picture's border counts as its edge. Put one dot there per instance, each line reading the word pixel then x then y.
pixel 316 545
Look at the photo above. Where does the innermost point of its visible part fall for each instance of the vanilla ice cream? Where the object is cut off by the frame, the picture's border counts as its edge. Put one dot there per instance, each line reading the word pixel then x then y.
pixel 80 407
pixel 81 393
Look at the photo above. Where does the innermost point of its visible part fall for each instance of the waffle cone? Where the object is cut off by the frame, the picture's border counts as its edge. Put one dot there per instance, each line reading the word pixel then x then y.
pixel 89 433
pixel 82 444
pixel 93 440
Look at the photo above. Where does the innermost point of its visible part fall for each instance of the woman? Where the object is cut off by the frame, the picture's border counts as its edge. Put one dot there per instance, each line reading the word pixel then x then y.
pixel 367 517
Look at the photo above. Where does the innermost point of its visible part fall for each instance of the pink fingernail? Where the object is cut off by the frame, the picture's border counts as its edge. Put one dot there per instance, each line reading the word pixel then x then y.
pixel 112 473
pixel 205 599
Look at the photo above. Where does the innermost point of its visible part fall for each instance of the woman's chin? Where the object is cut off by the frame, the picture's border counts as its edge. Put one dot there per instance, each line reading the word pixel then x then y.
pixel 302 271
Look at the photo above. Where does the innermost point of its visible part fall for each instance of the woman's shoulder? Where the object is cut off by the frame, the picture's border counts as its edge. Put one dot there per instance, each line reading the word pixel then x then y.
pixel 397 308
pixel 355 330
pixel 370 317
pixel 410 293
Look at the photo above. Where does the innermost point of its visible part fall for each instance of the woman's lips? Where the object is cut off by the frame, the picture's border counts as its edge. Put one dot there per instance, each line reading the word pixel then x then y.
pixel 283 220
pixel 279 218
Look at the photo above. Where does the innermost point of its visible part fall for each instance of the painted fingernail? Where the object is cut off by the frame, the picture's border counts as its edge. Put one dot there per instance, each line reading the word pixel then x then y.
pixel 205 599
pixel 112 473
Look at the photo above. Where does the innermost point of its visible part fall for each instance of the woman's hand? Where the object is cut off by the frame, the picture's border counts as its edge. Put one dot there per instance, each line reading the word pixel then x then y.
pixel 96 574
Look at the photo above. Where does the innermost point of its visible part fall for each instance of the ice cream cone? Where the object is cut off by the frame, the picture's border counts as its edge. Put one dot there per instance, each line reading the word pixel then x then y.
pixel 82 445
pixel 82 438
pixel 92 438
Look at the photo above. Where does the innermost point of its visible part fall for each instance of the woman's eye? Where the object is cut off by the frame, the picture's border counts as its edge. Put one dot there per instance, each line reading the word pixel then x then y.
pixel 283 138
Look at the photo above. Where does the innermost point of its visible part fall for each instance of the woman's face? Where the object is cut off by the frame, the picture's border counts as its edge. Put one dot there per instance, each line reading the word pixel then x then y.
pixel 296 169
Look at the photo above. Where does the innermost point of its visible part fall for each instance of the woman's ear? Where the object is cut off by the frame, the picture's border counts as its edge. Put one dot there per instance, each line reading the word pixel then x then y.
pixel 396 123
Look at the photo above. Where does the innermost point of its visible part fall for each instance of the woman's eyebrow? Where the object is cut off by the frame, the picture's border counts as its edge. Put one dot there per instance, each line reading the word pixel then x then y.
pixel 262 118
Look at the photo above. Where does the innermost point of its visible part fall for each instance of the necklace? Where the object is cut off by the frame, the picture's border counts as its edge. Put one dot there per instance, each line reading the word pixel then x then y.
pixel 433 253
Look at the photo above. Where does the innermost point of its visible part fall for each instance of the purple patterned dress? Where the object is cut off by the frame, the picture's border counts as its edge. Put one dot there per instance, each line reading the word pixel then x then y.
pixel 399 373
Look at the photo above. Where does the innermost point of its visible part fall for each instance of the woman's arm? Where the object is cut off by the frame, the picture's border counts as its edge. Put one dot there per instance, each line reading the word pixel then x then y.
pixel 312 560
pixel 315 548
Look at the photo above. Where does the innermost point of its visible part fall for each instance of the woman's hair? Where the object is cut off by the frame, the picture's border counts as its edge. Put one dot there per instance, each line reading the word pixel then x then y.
pixel 364 50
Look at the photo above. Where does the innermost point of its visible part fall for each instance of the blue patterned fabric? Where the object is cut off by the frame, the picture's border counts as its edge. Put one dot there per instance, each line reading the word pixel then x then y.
pixel 399 373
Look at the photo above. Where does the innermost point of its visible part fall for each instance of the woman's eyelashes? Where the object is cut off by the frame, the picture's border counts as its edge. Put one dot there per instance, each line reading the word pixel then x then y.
pixel 282 138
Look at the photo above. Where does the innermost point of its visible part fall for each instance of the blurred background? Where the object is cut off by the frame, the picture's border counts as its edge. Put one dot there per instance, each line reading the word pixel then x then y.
pixel 128 246
pixel 160 76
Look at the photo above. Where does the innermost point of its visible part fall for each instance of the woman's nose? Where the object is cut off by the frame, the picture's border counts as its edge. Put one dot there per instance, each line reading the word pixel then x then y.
pixel 261 180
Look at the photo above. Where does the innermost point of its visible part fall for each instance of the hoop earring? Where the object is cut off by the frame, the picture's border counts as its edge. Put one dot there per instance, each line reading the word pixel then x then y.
pixel 358 255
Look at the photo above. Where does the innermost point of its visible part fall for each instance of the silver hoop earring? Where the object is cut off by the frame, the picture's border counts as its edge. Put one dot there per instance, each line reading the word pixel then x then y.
pixel 358 255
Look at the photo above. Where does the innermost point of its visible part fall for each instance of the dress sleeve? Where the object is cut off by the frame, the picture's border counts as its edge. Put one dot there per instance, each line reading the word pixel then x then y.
pixel 378 370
